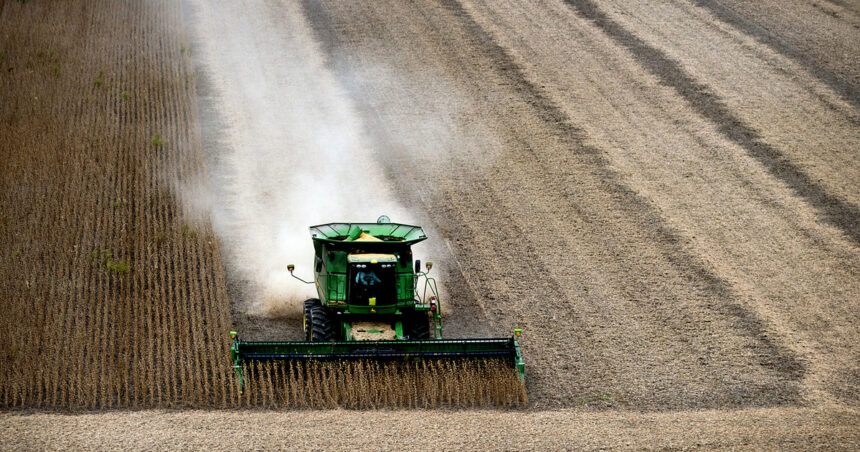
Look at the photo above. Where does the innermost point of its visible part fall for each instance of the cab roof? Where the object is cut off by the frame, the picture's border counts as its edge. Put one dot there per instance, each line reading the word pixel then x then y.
pixel 372 258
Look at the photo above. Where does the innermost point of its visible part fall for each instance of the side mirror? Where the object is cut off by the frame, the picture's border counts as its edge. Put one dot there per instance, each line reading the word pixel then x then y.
pixel 417 265
pixel 319 264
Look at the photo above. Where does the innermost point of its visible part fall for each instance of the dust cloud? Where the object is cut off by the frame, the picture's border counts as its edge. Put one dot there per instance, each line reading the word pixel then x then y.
pixel 290 148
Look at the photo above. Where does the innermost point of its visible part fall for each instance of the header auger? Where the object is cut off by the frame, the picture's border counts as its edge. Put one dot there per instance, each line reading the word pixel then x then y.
pixel 378 309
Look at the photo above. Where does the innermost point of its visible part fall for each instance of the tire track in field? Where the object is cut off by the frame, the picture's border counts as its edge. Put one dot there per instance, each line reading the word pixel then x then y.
pixel 456 281
pixel 775 356
pixel 847 89
pixel 469 222
pixel 541 384
pixel 699 97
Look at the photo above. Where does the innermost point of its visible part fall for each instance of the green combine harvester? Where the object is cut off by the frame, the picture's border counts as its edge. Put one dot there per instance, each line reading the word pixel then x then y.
pixel 375 303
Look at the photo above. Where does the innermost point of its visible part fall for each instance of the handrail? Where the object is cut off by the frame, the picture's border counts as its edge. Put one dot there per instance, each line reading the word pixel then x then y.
pixel 430 284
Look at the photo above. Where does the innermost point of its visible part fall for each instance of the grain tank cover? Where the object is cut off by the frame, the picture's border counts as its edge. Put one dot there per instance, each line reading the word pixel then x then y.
pixel 352 232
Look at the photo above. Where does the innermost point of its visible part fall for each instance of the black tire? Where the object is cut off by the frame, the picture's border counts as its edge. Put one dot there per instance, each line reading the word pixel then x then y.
pixel 322 329
pixel 306 319
pixel 416 326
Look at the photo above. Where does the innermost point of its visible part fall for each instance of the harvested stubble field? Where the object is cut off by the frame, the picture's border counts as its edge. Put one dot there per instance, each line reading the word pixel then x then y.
pixel 665 196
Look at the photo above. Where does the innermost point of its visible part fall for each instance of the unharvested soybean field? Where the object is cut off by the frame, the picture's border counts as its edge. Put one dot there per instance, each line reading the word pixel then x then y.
pixel 665 196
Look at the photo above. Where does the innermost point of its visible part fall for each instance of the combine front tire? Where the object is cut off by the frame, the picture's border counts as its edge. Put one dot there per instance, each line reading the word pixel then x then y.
pixel 306 319
pixel 322 329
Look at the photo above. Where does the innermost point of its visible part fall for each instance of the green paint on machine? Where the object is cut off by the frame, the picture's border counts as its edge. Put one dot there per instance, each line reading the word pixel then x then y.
pixel 366 272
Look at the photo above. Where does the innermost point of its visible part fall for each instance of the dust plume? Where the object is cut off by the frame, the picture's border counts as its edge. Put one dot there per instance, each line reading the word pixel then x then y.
pixel 290 153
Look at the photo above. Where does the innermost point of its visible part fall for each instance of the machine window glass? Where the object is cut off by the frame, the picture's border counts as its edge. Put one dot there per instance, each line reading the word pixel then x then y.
pixel 372 281
pixel 367 278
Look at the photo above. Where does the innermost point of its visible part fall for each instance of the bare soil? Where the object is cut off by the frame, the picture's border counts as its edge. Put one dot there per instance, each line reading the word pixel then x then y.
pixel 748 429
pixel 648 248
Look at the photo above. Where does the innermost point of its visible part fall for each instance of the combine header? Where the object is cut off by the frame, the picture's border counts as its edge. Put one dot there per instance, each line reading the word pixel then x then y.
pixel 378 316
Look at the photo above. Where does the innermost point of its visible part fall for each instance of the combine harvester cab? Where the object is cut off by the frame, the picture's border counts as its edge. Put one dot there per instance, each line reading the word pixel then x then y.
pixel 377 305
